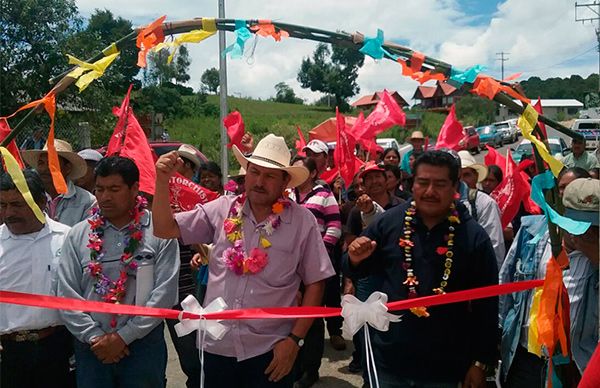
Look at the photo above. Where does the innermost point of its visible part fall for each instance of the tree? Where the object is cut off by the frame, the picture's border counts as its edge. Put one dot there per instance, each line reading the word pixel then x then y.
pixel 160 71
pixel 473 110
pixel 332 72
pixel 284 93
pixel 33 34
pixel 210 78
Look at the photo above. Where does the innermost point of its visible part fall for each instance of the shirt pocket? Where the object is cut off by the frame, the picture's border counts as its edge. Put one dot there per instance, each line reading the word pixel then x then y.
pixel 281 269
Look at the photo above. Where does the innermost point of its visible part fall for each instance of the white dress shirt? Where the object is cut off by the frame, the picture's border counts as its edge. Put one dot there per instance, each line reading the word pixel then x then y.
pixel 28 263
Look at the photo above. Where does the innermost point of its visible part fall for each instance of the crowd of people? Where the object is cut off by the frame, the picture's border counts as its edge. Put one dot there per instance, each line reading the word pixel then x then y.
pixel 410 225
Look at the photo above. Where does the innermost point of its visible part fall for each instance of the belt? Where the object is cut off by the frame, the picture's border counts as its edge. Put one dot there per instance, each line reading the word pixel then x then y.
pixel 30 335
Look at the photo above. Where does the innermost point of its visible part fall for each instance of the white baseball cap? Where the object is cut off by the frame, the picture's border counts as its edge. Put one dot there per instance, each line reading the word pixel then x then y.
pixel 316 146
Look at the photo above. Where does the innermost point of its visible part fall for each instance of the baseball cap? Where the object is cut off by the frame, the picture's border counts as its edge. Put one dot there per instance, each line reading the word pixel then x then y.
pixel 369 167
pixel 90 154
pixel 582 200
pixel 316 146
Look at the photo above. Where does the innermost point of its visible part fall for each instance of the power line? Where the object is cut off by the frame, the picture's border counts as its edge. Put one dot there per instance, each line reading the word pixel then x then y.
pixel 595 9
pixel 561 62
pixel 502 59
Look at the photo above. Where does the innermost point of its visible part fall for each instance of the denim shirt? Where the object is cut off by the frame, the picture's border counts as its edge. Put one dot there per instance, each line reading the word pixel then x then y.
pixel 525 260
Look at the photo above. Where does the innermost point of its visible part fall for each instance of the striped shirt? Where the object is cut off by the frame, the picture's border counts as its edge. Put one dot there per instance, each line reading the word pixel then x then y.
pixel 322 204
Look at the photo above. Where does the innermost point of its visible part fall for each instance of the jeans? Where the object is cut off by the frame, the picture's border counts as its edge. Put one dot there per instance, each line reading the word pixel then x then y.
pixel 310 355
pixel 38 364
pixel 145 366
pixel 526 371
pixel 228 372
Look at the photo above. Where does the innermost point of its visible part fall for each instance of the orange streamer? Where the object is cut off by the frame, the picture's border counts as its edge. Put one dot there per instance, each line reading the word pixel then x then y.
pixel 49 102
pixel 419 76
pixel 149 36
pixel 488 87
pixel 553 319
pixel 265 28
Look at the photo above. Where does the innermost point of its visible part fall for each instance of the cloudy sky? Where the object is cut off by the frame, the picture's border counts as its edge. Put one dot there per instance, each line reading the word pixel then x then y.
pixel 541 37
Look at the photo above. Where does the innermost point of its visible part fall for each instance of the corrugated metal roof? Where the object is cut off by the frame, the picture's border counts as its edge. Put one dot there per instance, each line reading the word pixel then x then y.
pixel 558 102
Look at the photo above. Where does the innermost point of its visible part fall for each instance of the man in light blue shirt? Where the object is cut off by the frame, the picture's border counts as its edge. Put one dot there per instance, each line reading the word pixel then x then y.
pixel 113 256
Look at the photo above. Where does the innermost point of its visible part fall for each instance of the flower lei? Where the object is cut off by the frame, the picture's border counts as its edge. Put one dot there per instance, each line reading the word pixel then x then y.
pixel 234 257
pixel 113 291
pixel 411 279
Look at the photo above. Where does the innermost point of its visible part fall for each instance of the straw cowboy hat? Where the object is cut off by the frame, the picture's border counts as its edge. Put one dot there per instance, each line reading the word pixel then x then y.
pixel 468 161
pixel 241 173
pixel 417 135
pixel 272 152
pixel 63 149
pixel 188 152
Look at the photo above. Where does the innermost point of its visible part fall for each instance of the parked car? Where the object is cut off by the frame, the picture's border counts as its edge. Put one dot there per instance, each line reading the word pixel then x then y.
pixel 558 149
pixel 509 132
pixel 590 129
pixel 489 135
pixel 471 140
pixel 388 142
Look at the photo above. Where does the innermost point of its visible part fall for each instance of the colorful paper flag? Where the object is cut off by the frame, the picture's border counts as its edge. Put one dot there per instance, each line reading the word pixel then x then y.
pixel 234 124
pixel 451 133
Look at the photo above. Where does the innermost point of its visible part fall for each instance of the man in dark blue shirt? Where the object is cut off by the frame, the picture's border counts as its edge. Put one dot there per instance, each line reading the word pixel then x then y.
pixel 431 245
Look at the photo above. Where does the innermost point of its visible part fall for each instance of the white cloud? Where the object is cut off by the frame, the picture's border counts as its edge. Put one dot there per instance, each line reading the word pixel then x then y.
pixel 536 33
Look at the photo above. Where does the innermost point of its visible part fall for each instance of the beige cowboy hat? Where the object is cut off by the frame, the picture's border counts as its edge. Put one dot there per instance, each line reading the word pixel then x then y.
pixel 63 149
pixel 188 152
pixel 241 173
pixel 468 161
pixel 272 152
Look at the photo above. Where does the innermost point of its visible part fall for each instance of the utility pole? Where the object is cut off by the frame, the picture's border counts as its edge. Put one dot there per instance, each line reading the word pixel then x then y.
pixel 223 95
pixel 502 59
pixel 595 9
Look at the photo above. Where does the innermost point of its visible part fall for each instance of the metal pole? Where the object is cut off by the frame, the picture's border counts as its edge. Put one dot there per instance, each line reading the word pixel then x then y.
pixel 223 95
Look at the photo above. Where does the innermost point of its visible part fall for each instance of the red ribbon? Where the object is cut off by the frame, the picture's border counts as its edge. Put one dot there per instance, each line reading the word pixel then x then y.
pixel 58 303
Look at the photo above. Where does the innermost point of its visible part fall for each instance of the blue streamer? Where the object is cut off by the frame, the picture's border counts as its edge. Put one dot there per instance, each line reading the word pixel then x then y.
pixel 468 75
pixel 373 47
pixel 546 181
pixel 242 34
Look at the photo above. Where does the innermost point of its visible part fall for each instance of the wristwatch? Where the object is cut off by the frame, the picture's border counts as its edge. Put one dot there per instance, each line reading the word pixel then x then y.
pixel 299 341
pixel 484 367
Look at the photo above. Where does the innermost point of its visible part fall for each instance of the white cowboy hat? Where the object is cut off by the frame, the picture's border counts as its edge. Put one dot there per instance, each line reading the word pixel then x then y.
pixel 188 152
pixel 468 161
pixel 272 152
pixel 63 149
pixel 241 173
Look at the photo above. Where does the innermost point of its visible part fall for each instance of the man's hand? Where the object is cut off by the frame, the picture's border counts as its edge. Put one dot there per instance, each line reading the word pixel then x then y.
pixel 109 348
pixel 196 261
pixel 365 204
pixel 247 142
pixel 167 165
pixel 475 378
pixel 360 249
pixel 284 355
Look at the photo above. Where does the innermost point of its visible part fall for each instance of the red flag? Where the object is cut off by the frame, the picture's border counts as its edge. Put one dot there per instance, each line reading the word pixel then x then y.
pixel 510 192
pixel 185 194
pixel 301 143
pixel 129 140
pixel 343 154
pixel 12 146
pixel 451 133
pixel 538 108
pixel 235 129
pixel 494 157
pixel 329 175
pixel 386 114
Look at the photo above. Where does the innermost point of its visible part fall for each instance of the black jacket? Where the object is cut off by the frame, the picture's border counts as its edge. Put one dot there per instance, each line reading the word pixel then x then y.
pixel 443 346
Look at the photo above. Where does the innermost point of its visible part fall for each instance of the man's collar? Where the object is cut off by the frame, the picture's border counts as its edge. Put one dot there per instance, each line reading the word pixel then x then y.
pixel 5 233
pixel 286 215
pixel 144 221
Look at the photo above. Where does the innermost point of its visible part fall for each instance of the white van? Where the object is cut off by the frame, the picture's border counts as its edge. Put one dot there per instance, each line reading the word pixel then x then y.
pixel 590 129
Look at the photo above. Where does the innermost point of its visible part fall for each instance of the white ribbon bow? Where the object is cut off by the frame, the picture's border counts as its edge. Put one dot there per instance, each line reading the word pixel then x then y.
pixel 215 330
pixel 373 312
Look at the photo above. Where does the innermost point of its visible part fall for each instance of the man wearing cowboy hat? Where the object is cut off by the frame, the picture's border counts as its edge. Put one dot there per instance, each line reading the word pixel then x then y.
pixel 262 224
pixel 75 205
pixel 482 207
pixel 417 140
pixel 191 161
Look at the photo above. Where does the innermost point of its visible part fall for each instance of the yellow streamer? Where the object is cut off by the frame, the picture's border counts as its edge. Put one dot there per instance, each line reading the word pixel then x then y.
pixel 13 169
pixel 533 343
pixel 194 36
pixel 112 49
pixel 527 122
pixel 94 70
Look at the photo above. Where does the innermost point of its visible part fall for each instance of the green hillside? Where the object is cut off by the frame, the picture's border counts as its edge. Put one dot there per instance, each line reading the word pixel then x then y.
pixel 260 117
